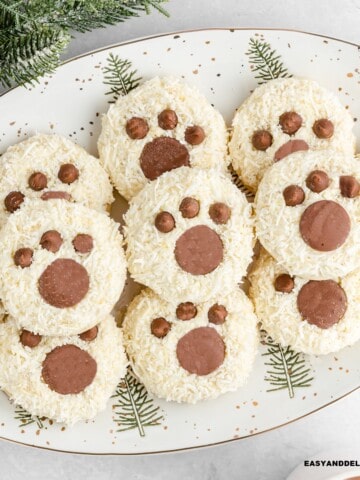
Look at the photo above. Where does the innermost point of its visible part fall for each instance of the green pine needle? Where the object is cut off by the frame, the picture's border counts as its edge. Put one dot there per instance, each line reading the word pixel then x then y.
pixel 134 407
pixel 34 33
pixel 119 77
pixel 286 369
pixel 27 418
pixel 266 63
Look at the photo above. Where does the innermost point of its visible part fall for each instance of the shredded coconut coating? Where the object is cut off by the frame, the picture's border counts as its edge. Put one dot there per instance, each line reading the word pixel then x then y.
pixel 21 372
pixel 105 265
pixel 277 225
pixel 155 362
pixel 46 154
pixel 150 253
pixel 261 111
pixel 120 154
pixel 281 318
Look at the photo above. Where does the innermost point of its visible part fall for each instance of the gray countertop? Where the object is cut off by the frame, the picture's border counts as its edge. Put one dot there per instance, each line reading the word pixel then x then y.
pixel 272 455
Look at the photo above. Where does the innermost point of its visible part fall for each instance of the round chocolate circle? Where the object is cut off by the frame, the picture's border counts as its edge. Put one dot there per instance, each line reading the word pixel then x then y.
pixel 37 181
pixel 13 200
pixel 199 250
pixel 201 351
pixel 68 173
pixel 83 243
pixel 23 257
pixel 89 335
pixel 290 122
pixel 160 327
pixel 217 314
pixel 30 339
pixel 51 241
pixel 64 283
pixel 262 140
pixel 186 311
pixel 137 128
pixel 162 155
pixel 189 207
pixel 322 303
pixel 325 225
pixel 68 369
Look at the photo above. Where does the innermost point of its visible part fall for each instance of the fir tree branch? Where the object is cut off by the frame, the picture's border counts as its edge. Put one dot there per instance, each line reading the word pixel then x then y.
pixel 33 33
pixel 266 63
pixel 119 77
pixel 30 55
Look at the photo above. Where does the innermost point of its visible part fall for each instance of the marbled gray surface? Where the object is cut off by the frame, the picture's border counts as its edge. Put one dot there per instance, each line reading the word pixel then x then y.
pixel 270 456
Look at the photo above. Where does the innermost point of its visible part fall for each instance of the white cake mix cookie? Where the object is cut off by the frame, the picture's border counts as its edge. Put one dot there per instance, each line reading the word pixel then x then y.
pixel 62 266
pixel 189 234
pixel 188 352
pixel 66 379
pixel 161 125
pixel 308 214
pixel 50 166
pixel 284 116
pixel 312 316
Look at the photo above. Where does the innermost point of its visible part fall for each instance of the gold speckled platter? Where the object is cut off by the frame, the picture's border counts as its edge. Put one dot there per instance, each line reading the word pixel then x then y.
pixel 284 386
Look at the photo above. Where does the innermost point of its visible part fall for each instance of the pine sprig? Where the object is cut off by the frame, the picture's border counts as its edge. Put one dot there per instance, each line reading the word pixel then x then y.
pixel 26 418
pixel 134 407
pixel 30 55
pixel 287 369
pixel 265 61
pixel 33 33
pixel 119 76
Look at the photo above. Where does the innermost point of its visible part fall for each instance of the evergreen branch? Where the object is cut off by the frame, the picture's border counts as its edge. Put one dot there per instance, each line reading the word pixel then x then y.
pixel 288 369
pixel 119 77
pixel 265 62
pixel 27 56
pixel 34 33
pixel 134 408
pixel 27 418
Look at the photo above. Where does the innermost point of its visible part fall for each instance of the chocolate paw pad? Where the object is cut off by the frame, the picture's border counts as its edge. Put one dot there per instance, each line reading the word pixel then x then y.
pixel 160 126
pixel 188 234
pixel 307 214
pixel 321 315
pixel 59 258
pixel 50 167
pixel 65 379
pixel 189 351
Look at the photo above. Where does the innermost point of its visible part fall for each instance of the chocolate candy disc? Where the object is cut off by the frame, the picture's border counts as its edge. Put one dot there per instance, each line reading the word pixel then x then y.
pixel 325 225
pixel 64 283
pixel 322 303
pixel 199 250
pixel 68 369
pixel 289 147
pixel 201 351
pixel 162 155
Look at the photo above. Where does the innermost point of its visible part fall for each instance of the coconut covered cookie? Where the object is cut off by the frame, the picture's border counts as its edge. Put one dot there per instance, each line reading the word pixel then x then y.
pixel 187 351
pixel 66 379
pixel 312 316
pixel 62 266
pixel 189 234
pixel 161 125
pixel 308 214
pixel 47 167
pixel 284 116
